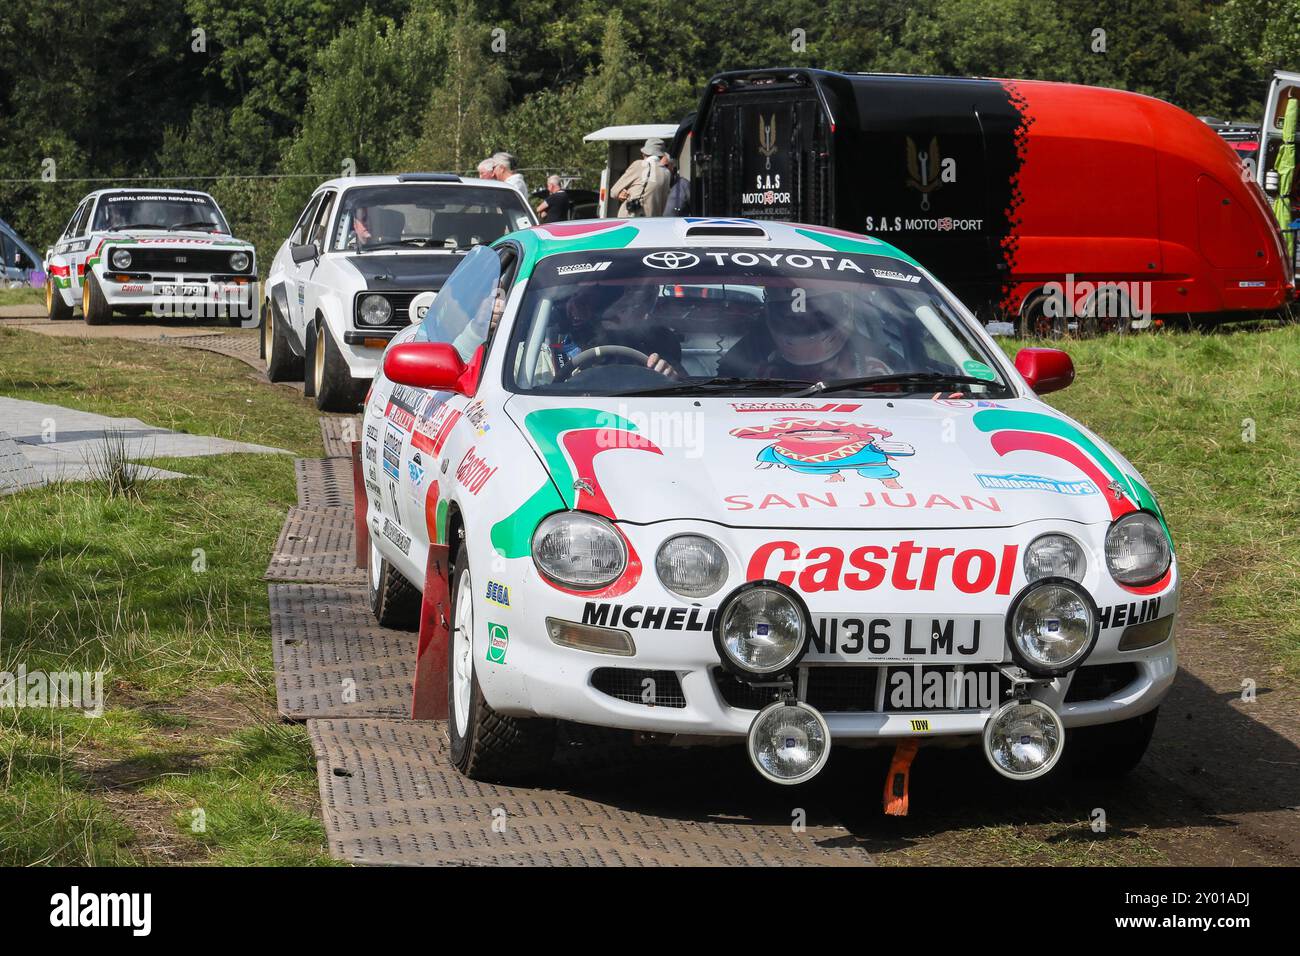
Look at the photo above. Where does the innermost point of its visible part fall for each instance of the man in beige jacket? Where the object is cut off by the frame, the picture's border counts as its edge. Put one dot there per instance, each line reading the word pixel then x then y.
pixel 643 189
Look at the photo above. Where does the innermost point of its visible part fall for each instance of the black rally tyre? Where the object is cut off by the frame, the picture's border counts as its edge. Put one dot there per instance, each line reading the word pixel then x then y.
pixel 281 364
pixel 485 745
pixel 95 309
pixel 394 601
pixel 1109 751
pixel 55 307
pixel 336 390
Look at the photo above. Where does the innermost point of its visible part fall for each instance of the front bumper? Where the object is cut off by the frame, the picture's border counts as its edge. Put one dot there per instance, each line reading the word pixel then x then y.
pixel 688 694
pixel 183 295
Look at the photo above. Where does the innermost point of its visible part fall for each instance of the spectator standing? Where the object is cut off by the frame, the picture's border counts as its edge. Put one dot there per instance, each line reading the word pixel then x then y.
pixel 555 207
pixel 643 188
pixel 678 202
pixel 506 172
pixel 486 169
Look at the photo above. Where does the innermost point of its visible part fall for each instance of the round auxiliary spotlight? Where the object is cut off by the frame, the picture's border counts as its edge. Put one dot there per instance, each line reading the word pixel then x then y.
pixel 789 742
pixel 1023 739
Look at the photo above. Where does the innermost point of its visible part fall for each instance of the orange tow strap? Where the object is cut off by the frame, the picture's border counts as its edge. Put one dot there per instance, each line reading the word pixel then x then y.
pixel 900 770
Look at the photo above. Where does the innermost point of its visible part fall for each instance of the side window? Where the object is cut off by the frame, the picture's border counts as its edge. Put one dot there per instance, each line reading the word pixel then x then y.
pixel 462 312
pixel 8 253
pixel 71 231
pixel 84 219
pixel 320 221
pixel 509 266
pixel 298 236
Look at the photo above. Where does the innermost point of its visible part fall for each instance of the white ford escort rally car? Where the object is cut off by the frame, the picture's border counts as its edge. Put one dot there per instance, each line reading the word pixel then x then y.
pixel 165 251
pixel 721 479
pixel 366 256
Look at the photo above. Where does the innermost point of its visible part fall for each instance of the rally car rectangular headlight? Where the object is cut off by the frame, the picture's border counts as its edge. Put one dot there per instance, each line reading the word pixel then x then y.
pixel 1052 626
pixel 1137 549
pixel 579 550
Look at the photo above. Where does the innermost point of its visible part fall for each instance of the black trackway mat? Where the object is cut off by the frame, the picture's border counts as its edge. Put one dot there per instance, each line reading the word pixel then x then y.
pixel 390 797
pixel 338 432
pixel 324 482
pixel 332 659
pixel 317 545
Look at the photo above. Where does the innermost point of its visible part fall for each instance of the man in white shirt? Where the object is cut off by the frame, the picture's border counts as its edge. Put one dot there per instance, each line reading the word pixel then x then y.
pixel 505 172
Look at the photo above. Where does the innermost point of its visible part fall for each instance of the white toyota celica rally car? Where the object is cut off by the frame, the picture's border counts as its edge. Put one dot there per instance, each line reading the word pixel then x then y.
pixel 165 251
pixel 721 479
pixel 366 257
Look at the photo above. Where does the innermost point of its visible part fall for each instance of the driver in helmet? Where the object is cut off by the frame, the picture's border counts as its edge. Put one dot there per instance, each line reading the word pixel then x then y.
pixel 810 336
pixel 598 315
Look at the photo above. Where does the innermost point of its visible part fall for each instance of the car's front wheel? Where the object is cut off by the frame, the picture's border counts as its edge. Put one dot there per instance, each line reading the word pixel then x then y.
pixel 336 390
pixel 1110 750
pixel 485 745
pixel 95 309
pixel 394 601
pixel 281 364
pixel 55 307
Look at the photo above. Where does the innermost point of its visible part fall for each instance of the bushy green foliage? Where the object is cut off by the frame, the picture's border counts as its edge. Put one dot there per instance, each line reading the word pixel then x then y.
pixel 217 91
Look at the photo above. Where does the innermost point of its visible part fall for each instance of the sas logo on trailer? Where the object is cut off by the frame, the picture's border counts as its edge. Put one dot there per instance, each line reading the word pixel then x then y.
pixel 927 170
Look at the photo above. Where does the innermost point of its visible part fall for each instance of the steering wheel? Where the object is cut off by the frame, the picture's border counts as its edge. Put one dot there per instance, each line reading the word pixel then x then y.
pixel 584 358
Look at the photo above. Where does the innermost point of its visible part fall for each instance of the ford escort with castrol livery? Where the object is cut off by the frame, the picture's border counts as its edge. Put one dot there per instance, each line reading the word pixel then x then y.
pixel 366 257
pixel 168 252
pixel 716 479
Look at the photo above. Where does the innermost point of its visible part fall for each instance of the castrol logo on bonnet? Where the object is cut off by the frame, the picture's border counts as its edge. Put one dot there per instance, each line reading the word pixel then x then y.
pixel 905 566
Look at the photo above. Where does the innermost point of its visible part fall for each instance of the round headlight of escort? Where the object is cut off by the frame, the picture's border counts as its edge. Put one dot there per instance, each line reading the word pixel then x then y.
pixel 1055 556
pixel 1052 626
pixel 1137 549
pixel 121 259
pixel 579 550
pixel 691 565
pixel 762 629
pixel 239 261
pixel 374 310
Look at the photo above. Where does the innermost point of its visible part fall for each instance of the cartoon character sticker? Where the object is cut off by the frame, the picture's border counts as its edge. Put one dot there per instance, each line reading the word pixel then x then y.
pixel 819 447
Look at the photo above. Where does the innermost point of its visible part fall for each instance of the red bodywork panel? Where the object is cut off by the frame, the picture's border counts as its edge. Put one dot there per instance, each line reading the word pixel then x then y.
pixel 1123 187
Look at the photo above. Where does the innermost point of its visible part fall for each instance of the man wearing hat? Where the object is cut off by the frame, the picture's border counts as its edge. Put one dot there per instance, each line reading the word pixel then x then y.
pixel 643 189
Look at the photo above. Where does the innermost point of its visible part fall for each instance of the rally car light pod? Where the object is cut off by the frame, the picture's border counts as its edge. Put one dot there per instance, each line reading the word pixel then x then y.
pixel 789 741
pixel 577 550
pixel 120 259
pixel 1055 556
pixel 1023 739
pixel 374 310
pixel 1137 549
pixel 239 261
pixel 691 565
pixel 588 637
pixel 1052 626
pixel 762 630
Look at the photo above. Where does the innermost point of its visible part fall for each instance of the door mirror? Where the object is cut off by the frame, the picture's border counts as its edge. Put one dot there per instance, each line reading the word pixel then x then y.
pixel 433 365
pixel 1045 370
pixel 305 253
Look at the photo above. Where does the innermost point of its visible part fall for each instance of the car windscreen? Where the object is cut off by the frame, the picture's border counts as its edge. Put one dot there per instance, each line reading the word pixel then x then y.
pixel 733 321
pixel 158 210
pixel 426 216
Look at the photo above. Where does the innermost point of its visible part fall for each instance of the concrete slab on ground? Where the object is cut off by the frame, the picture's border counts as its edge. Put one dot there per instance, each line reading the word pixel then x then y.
pixel 63 443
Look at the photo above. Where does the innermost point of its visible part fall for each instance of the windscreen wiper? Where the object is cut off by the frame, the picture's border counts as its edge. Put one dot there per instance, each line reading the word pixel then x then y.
pixel 728 384
pixel 926 379
pixel 196 224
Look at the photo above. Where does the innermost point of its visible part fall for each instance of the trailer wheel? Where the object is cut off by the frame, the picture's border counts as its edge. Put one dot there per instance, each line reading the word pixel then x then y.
pixel 55 307
pixel 95 309
pixel 1105 311
pixel 1035 323
pixel 1110 750
pixel 485 745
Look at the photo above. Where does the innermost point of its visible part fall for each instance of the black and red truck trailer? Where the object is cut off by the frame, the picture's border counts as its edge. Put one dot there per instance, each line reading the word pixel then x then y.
pixel 1022 196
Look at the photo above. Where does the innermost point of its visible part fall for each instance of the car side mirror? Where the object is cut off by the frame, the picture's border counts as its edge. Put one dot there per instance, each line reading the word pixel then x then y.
pixel 308 251
pixel 1045 370
pixel 433 365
